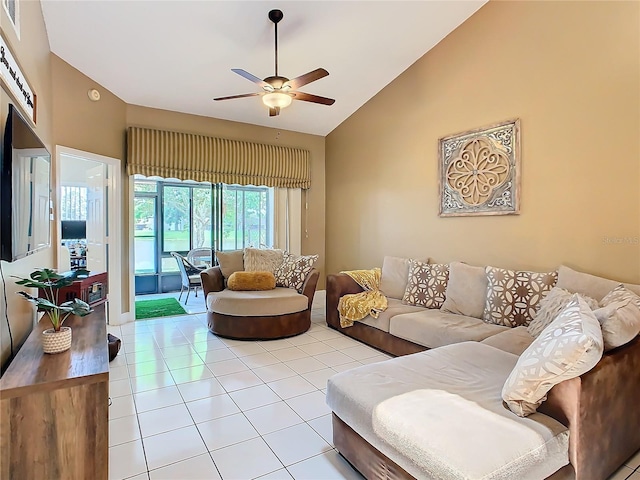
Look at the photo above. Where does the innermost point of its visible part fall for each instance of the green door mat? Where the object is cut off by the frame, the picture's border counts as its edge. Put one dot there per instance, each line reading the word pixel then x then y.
pixel 162 307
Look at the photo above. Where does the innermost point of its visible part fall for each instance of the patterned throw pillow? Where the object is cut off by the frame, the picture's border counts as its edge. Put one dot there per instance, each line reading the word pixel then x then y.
pixel 619 317
pixel 619 294
pixel 262 259
pixel 294 270
pixel 427 284
pixel 551 306
pixel 512 296
pixel 570 346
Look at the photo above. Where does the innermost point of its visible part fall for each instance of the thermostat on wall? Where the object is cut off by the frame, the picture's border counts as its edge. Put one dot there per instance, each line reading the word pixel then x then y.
pixel 94 94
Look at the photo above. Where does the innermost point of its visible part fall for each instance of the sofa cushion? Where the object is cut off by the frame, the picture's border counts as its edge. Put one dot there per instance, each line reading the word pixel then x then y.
pixel 294 270
pixel 514 340
pixel 551 306
pixel 395 276
pixel 394 307
pixel 251 281
pixel 434 328
pixel 590 285
pixel 466 290
pixel 262 259
pixel 230 261
pixel 619 317
pixel 426 284
pixel 278 301
pixel 439 414
pixel 512 296
pixel 570 346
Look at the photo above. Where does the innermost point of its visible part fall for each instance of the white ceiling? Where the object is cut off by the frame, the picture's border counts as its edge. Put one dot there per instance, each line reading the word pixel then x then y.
pixel 178 55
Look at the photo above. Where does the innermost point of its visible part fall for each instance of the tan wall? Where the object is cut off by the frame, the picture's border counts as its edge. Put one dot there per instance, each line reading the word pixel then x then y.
pixel 313 242
pixel 571 72
pixel 94 127
pixel 32 53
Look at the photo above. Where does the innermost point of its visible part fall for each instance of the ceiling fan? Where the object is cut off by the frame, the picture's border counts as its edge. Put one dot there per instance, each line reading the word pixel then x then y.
pixel 278 91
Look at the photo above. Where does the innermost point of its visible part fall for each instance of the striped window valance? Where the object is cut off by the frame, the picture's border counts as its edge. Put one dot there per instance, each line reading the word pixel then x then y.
pixel 217 160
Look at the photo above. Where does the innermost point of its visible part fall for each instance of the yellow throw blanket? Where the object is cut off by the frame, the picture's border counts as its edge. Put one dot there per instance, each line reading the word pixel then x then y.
pixel 356 306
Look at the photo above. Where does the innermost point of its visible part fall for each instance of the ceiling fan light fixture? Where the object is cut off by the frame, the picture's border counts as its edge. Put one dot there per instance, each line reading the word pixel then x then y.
pixel 277 100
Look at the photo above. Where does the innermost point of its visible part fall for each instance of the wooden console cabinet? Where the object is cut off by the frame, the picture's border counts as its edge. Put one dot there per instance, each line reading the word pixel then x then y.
pixel 54 413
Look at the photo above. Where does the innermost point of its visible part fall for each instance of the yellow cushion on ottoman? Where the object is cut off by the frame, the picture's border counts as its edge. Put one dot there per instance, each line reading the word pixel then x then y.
pixel 251 281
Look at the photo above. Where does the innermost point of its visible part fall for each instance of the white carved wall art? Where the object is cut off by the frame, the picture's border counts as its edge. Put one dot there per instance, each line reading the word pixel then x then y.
pixel 480 171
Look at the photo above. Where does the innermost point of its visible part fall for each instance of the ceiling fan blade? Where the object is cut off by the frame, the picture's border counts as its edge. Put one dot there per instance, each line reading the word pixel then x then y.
pixel 252 78
pixel 274 111
pixel 298 82
pixel 238 96
pixel 307 97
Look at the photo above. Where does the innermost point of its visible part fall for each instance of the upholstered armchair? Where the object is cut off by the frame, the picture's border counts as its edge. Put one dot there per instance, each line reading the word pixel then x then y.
pixel 267 314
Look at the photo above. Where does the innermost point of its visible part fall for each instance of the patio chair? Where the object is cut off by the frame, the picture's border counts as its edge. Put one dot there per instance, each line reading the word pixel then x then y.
pixel 200 256
pixel 190 275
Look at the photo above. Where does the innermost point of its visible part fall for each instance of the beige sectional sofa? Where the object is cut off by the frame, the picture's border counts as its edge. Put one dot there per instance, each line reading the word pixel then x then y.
pixel 440 411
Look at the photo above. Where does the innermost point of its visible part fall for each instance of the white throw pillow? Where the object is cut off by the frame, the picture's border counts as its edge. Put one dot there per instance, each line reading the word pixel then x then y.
pixel 619 317
pixel 550 307
pixel 262 259
pixel 570 346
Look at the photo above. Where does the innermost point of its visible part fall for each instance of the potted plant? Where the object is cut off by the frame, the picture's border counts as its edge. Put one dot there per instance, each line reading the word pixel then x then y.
pixel 58 338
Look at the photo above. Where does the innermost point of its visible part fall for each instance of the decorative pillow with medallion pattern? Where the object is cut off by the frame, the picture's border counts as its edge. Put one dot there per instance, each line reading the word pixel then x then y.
pixel 512 296
pixel 427 284
pixel 293 270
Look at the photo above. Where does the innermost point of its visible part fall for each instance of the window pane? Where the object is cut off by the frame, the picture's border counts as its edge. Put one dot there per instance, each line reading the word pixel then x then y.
pixel 73 203
pixel 201 217
pixel 145 186
pixel 145 235
pixel 169 265
pixel 176 219
pixel 246 216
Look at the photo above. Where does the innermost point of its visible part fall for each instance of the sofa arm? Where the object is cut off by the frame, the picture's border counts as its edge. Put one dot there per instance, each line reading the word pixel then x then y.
pixel 338 285
pixel 600 409
pixel 212 280
pixel 310 284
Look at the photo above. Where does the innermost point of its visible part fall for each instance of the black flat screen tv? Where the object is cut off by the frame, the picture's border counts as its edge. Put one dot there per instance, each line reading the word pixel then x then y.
pixel 25 185
pixel 74 230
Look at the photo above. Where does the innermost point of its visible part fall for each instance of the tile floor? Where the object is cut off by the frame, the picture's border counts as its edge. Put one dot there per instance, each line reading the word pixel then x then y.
pixel 187 405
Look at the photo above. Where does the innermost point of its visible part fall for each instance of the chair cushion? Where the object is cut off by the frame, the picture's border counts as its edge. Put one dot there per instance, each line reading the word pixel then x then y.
pixel 439 414
pixel 195 280
pixel 434 328
pixel 278 301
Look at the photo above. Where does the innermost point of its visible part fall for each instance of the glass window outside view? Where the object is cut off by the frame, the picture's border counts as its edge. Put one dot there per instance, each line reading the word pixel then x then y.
pixel 178 216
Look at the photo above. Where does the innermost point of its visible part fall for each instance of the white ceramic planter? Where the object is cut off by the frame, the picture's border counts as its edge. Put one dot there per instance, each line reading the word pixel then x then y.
pixel 56 342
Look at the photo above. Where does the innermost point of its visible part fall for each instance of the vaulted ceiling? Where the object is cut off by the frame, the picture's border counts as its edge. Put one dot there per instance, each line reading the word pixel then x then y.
pixel 178 55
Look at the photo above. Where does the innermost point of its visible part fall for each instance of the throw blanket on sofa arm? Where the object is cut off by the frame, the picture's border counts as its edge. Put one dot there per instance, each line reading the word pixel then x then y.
pixel 357 306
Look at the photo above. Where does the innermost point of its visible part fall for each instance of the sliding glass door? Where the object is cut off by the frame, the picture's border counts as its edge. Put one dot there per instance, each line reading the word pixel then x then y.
pixel 173 216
